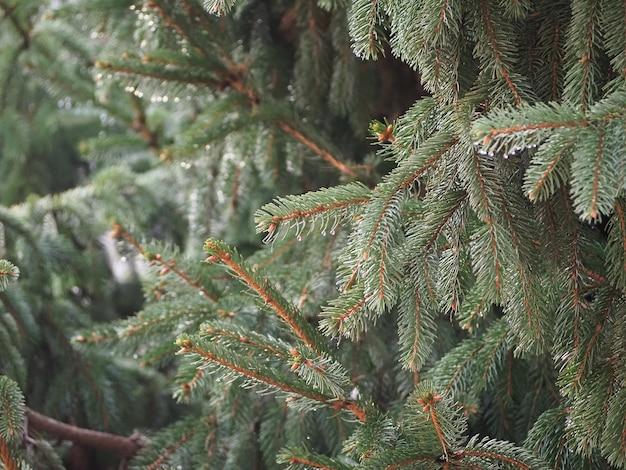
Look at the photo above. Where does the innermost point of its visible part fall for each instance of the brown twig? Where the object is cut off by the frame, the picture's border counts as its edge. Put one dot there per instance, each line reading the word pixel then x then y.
pixel 325 154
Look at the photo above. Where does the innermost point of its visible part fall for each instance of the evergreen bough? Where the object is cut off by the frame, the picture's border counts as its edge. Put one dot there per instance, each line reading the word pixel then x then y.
pixel 454 301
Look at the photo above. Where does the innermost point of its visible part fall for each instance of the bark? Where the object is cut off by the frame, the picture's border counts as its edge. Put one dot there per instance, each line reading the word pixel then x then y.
pixel 121 446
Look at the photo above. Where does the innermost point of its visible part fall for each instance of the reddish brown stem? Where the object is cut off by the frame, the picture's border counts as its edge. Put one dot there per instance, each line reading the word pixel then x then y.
pixel 120 232
pixel 119 445
pixel 326 156
pixel 6 456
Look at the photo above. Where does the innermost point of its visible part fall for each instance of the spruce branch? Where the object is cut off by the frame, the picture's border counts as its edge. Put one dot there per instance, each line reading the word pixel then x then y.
pixel 344 169
pixel 616 252
pixel 161 73
pixel 346 315
pixel 14 314
pixel 429 400
pixel 140 126
pixel 548 173
pixel 257 342
pixel 583 41
pixel 308 461
pixel 576 289
pixel 525 126
pixel 485 451
pixel 167 452
pixel 482 205
pixel 587 355
pixel 530 128
pixel 593 208
pixel 122 446
pixel 251 370
pixel 8 272
pixel 316 208
pixel 491 456
pixel 496 49
pixel 379 232
pixel 156 258
pixel 172 23
pixel 199 432
pixel 234 75
pixel 594 181
pixel 416 328
pixel 288 313
pixel 6 456
pixel 301 459
pixel 365 28
pixel 529 289
pixel 11 419
pixel 8 11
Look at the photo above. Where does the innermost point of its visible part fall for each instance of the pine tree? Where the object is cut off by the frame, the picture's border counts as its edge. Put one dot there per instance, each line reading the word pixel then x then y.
pixel 445 292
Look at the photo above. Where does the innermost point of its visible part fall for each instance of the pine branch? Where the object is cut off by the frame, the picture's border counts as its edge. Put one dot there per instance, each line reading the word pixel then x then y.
pixel 122 446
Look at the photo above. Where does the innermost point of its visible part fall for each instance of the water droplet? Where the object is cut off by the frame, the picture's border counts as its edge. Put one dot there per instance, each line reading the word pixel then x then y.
pixel 332 232
pixel 299 237
pixel 323 233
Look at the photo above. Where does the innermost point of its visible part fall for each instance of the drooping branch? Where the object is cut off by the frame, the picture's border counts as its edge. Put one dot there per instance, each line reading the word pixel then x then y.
pixel 119 445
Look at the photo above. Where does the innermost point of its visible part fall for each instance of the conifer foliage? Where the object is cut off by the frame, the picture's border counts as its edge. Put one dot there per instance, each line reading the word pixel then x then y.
pixel 448 295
